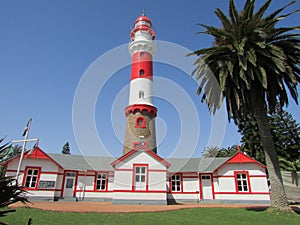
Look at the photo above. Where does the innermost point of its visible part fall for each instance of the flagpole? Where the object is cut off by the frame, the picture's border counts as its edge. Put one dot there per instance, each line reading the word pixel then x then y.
pixel 23 149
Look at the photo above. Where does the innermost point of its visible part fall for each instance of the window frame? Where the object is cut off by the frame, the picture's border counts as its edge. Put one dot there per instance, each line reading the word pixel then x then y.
pixel 146 174
pixel 101 179
pixel 143 122
pixel 176 182
pixel 26 175
pixel 141 94
pixel 247 179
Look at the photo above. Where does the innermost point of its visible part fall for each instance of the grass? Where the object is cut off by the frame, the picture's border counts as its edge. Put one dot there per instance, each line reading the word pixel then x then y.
pixel 218 216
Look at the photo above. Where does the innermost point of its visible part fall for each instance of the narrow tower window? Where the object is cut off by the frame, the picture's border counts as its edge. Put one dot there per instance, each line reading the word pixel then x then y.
pixel 142 72
pixel 140 122
pixel 142 54
pixel 141 94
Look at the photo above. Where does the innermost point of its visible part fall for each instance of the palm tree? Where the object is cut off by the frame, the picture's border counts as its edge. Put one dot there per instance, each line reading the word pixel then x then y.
pixel 254 63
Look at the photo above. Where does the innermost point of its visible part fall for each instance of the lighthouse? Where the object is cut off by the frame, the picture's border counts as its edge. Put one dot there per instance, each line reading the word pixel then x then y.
pixel 140 112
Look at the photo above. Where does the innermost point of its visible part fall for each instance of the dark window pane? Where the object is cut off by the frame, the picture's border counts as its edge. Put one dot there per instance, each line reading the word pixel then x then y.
pixel 137 178
pixel 143 169
pixel 35 172
pixel 137 169
pixel 143 178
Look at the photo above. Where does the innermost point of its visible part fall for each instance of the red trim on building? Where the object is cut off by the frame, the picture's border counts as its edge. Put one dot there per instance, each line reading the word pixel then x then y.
pixel 118 169
pixel 36 153
pixel 240 157
pixel 95 182
pixel 41 189
pixel 155 170
pixel 170 183
pixel 241 193
pixel 146 174
pixel 140 148
pixel 141 191
pixel 93 191
pixel 212 186
pixel 248 181
pixel 200 187
pixel 37 180
pixel 143 122
pixel 139 108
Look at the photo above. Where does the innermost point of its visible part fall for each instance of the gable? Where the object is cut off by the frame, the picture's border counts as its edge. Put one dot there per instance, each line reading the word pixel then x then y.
pixel 241 158
pixel 141 155
pixel 35 153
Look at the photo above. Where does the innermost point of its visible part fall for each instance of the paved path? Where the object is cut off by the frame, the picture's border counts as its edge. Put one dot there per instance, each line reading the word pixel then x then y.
pixel 107 207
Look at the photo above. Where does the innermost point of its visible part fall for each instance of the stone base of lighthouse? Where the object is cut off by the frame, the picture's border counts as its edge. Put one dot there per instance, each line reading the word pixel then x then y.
pixel 140 127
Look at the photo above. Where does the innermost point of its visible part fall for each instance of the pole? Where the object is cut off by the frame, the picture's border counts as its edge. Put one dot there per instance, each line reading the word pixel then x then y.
pixel 23 149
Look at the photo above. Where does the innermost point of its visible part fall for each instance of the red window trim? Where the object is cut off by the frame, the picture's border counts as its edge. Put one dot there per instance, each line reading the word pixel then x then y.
pixel 95 181
pixel 181 183
pixel 248 181
pixel 133 176
pixel 143 122
pixel 37 180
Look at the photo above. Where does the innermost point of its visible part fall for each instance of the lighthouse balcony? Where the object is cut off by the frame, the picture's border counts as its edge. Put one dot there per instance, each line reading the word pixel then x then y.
pixel 142 44
pixel 142 108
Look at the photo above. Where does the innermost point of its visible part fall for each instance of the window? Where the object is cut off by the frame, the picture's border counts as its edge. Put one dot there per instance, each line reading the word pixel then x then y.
pixel 142 72
pixel 140 122
pixel 101 181
pixel 31 178
pixel 205 177
pixel 142 54
pixel 140 178
pixel 242 182
pixel 176 182
pixel 141 94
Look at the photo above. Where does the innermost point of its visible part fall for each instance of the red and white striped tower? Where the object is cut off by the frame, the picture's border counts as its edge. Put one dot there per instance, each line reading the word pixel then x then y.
pixel 141 113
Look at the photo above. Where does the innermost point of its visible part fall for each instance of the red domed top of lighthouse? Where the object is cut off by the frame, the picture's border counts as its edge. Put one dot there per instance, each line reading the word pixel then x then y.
pixel 143 18
pixel 143 24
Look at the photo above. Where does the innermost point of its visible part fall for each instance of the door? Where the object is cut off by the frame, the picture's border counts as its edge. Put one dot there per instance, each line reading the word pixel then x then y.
pixel 206 187
pixel 140 178
pixel 69 184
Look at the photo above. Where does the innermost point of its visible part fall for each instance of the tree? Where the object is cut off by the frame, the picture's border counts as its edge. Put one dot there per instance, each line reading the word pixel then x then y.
pixel 66 149
pixel 210 152
pixel 228 152
pixel 285 133
pixel 254 63
pixel 10 192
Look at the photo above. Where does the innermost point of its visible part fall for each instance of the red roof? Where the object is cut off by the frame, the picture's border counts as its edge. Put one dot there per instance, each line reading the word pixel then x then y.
pixel 141 148
pixel 143 18
pixel 35 153
pixel 241 157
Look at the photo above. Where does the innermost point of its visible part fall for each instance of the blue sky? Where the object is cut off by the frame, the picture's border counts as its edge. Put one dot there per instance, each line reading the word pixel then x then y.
pixel 49 47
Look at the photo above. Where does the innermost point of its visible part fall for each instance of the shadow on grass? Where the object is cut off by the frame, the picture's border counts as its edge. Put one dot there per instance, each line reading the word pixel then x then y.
pixel 257 208
pixel 264 208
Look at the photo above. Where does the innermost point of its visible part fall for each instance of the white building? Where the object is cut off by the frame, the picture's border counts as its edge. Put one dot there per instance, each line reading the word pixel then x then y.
pixel 141 177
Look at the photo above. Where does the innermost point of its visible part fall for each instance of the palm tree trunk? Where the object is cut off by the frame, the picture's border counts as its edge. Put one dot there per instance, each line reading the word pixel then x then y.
pixel 278 196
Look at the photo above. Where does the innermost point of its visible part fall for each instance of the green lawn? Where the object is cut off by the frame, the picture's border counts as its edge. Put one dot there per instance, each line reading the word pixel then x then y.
pixel 212 216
